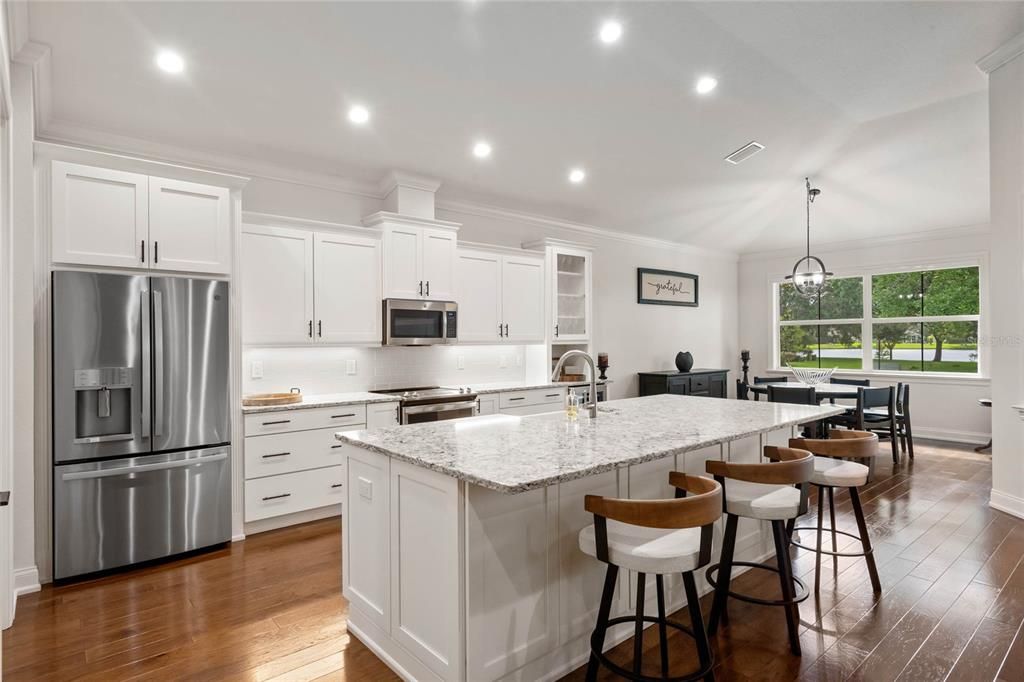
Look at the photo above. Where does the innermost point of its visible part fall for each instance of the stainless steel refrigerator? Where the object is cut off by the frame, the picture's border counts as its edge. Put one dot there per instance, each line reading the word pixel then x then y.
pixel 141 419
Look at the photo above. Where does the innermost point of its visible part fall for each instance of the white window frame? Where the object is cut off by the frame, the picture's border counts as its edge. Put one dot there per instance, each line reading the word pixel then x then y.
pixel 868 321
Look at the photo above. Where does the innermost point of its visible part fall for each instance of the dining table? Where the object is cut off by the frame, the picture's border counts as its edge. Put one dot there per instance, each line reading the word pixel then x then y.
pixel 822 391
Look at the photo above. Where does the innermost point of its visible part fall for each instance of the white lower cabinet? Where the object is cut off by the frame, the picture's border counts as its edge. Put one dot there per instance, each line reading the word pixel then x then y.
pixel 535 401
pixel 294 492
pixel 487 404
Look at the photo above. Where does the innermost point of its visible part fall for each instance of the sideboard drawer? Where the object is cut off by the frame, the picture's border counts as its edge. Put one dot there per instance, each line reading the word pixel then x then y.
pixel 283 421
pixel 699 384
pixel 295 492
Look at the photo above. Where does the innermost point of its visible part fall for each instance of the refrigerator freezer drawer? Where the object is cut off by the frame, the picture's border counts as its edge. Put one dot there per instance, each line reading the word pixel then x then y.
pixel 120 512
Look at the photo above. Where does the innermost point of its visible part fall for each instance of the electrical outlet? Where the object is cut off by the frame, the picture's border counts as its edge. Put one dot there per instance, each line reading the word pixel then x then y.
pixel 503 362
pixel 350 367
pixel 256 369
pixel 460 362
pixel 519 361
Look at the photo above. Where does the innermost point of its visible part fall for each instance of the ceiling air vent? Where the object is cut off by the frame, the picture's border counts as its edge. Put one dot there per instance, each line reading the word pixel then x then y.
pixel 744 153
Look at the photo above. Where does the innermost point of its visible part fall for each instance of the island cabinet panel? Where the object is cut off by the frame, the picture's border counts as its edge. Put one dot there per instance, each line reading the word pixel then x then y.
pixel 425 586
pixel 512 612
pixel 649 481
pixel 366 552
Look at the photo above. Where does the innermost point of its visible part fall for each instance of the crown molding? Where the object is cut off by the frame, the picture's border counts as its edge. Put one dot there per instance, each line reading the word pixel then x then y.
pixel 1005 53
pixel 499 249
pixel 37 57
pixel 402 179
pixel 592 231
pixel 273 220
pixel 59 132
pixel 908 238
pixel 387 217
pixel 17 26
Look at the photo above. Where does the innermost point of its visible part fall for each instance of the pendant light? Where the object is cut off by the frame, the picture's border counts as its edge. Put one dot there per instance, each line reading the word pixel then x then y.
pixel 809 274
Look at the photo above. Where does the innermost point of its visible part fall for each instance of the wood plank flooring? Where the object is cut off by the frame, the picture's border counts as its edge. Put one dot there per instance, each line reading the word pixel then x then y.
pixel 270 608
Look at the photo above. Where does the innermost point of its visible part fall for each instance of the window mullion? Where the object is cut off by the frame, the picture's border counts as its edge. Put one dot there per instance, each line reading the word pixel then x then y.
pixel 866 333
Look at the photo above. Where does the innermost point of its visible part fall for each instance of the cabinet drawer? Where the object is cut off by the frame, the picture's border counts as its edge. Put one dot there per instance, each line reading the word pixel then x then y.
pixel 699 384
pixel 540 396
pixel 295 492
pixel 282 453
pixel 303 420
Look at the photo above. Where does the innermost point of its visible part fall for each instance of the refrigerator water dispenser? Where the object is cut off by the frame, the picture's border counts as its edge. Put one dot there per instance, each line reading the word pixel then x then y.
pixel 103 404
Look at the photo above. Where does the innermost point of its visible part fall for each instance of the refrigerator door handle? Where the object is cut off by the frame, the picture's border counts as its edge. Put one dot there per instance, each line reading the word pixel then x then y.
pixel 147 342
pixel 158 363
pixel 139 468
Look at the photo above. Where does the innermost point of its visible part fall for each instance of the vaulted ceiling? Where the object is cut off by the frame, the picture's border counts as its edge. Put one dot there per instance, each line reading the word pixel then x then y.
pixel 880 102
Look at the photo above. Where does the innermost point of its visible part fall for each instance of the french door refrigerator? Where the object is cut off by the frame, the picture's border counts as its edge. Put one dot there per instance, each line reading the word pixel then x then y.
pixel 141 419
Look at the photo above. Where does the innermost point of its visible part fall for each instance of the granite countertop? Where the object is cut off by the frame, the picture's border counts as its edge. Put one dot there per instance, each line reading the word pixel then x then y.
pixel 325 400
pixel 500 387
pixel 516 454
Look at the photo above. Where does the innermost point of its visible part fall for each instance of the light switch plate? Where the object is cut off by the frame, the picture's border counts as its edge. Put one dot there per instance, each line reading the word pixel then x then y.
pixel 503 362
pixel 256 369
pixel 365 488
pixel 350 367
pixel 460 362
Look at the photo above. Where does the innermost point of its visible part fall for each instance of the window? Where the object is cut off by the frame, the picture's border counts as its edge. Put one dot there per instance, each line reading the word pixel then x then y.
pixel 902 321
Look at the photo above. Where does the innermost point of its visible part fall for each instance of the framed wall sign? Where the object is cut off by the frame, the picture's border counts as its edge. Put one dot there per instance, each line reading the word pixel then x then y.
pixel 665 287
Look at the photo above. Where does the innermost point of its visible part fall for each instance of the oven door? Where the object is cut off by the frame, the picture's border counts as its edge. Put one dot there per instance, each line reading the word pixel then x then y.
pixel 419 323
pixel 424 414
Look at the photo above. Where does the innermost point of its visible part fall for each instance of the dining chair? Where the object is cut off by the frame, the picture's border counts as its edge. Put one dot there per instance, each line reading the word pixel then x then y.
pixel 796 395
pixel 768 380
pixel 875 411
pixel 847 382
pixel 742 390
pixel 904 431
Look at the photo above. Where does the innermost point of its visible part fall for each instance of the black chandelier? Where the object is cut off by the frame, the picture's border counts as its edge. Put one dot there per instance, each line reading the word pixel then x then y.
pixel 809 274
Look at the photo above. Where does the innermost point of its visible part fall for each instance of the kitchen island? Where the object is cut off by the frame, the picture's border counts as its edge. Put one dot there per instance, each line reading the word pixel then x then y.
pixel 460 556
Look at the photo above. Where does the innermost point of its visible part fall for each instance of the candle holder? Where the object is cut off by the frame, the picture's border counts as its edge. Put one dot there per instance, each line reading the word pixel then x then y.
pixel 745 357
pixel 602 364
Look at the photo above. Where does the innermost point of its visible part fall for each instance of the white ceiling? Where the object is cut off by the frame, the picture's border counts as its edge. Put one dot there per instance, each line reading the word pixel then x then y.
pixel 880 102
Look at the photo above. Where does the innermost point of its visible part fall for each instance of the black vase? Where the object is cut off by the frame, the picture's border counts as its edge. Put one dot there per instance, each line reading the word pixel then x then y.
pixel 684 361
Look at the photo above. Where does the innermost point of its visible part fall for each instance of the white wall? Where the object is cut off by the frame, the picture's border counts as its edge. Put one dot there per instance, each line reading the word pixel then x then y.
pixel 945 408
pixel 1006 159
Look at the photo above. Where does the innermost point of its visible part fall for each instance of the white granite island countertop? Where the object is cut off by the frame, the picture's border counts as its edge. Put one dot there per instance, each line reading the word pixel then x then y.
pixel 516 454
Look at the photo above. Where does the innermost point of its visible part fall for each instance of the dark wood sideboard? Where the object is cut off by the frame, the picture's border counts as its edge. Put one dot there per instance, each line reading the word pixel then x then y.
pixel 703 382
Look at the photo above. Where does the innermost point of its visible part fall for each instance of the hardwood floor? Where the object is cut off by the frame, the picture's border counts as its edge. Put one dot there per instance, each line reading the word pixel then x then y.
pixel 271 607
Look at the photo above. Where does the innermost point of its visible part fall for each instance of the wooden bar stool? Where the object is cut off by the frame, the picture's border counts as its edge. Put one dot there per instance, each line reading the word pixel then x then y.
pixel 660 537
pixel 831 472
pixel 773 491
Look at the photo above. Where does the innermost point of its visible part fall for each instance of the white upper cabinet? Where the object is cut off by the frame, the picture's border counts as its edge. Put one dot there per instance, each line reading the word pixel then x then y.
pixel 572 293
pixel 276 285
pixel 500 297
pixel 347 286
pixel 99 216
pixel 478 293
pixel 522 299
pixel 189 226
pixel 114 218
pixel 419 261
pixel 403 247
pixel 438 264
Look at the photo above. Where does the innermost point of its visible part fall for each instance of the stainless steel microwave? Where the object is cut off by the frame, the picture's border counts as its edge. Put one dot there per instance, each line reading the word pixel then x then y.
pixel 411 322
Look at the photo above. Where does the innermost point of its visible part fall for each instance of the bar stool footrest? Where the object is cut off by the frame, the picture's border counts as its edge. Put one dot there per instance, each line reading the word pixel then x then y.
pixel 629 674
pixel 801 594
pixel 794 543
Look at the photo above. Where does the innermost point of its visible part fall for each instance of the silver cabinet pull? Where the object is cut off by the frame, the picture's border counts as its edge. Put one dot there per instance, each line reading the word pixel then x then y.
pixel 277 497
pixel 279 421
pixel 276 454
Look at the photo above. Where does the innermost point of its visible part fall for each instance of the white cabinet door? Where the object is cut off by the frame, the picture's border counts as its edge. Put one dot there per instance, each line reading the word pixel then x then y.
pixel 347 289
pixel 438 264
pixel 522 300
pixel 571 297
pixel 487 404
pixel 189 226
pixel 402 247
pixel 276 285
pixel 99 216
pixel 478 292
pixel 379 415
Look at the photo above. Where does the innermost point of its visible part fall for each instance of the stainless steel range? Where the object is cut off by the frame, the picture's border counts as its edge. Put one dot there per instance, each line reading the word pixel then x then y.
pixel 433 403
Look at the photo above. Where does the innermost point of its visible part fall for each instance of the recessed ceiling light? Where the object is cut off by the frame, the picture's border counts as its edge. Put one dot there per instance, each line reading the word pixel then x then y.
pixel 171 62
pixel 481 150
pixel 610 32
pixel 577 175
pixel 706 84
pixel 358 114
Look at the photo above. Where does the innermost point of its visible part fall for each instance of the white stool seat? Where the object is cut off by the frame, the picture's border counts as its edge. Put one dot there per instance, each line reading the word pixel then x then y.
pixel 836 472
pixel 646 550
pixel 762 500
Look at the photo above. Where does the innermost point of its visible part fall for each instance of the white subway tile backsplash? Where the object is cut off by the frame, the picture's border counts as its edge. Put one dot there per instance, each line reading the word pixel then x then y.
pixel 327 369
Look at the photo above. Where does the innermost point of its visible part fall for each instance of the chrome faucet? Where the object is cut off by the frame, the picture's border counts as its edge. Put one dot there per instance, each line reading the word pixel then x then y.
pixel 592 405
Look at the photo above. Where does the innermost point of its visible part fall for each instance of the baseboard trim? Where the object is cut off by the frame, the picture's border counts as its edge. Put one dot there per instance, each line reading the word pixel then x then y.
pixel 294 519
pixel 1010 504
pixel 26 581
pixel 952 435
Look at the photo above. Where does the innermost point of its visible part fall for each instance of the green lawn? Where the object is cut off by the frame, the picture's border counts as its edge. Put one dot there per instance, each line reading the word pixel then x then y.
pixel 912 346
pixel 904 365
